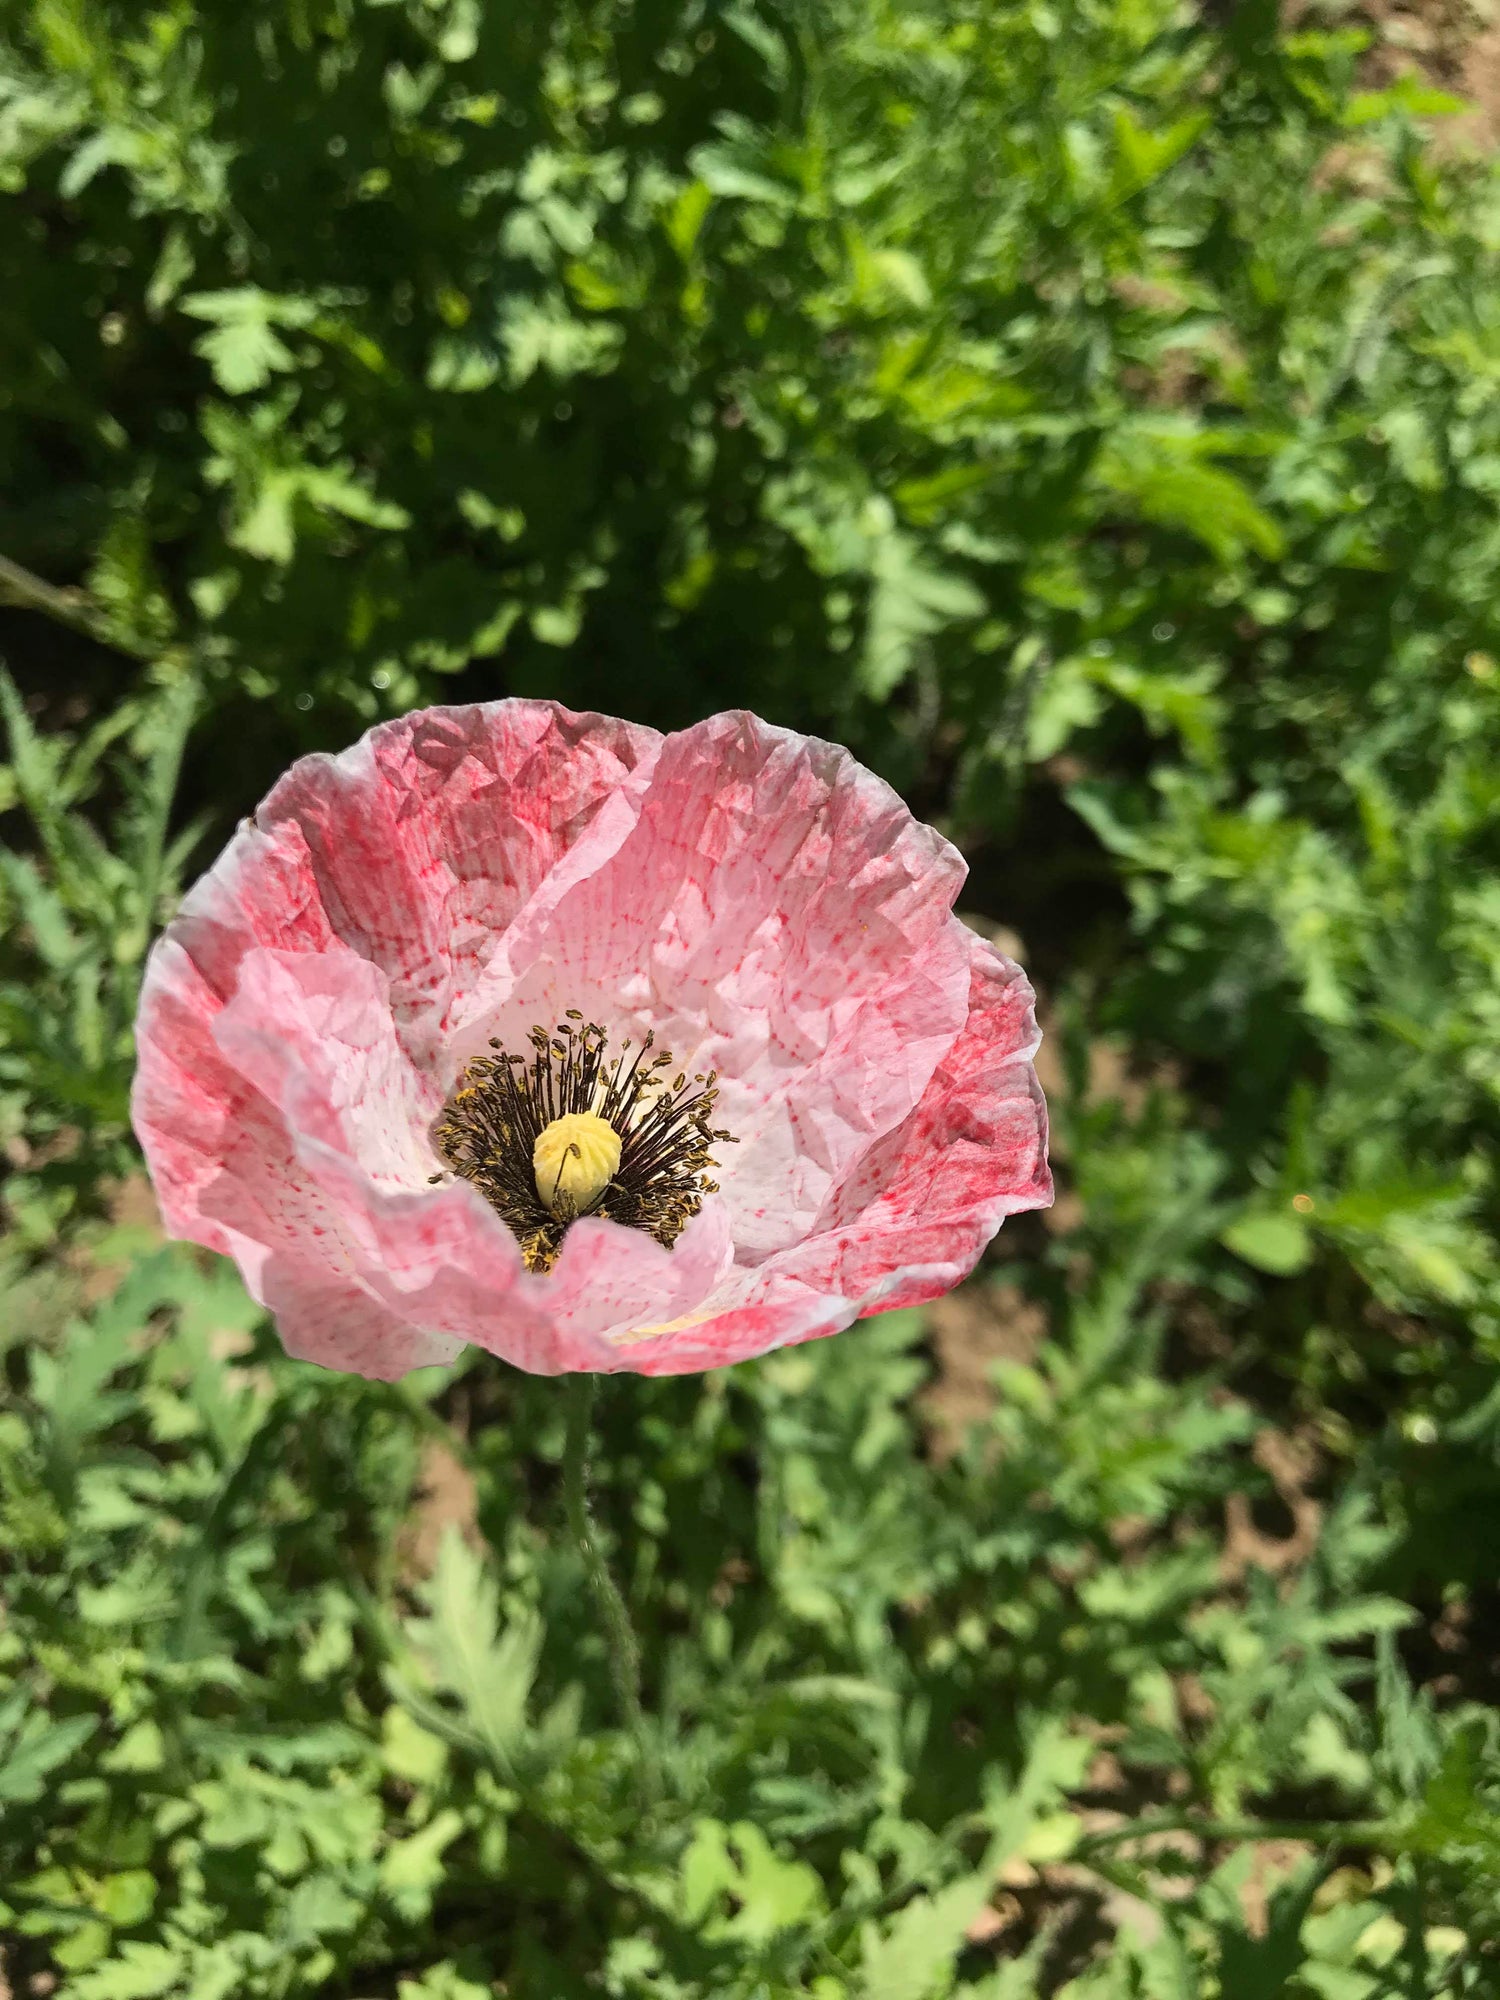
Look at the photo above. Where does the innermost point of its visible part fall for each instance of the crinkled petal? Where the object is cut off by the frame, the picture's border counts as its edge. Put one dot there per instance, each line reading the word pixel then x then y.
pixel 430 838
pixel 420 847
pixel 768 908
pixel 297 1014
pixel 447 1263
pixel 339 1326
pixel 783 1315
pixel 776 916
pixel 913 1216
pixel 609 1280
pixel 313 1035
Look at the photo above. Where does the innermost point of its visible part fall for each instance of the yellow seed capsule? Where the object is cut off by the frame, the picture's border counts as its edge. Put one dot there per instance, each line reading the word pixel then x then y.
pixel 574 1159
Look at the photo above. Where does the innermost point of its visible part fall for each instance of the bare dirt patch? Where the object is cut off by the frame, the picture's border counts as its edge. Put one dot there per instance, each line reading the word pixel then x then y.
pixel 1294 1465
pixel 1453 45
pixel 445 1497
pixel 971 1329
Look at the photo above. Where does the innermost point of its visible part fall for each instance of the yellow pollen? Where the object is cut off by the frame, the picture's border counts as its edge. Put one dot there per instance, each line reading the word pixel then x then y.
pixel 574 1159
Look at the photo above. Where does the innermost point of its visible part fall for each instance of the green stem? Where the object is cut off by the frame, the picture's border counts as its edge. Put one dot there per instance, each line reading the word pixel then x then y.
pixel 624 1653
pixel 68 606
pixel 1317 1833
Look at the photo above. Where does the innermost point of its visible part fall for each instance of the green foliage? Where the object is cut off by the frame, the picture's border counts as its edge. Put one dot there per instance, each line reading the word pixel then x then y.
pixel 251 1752
pixel 1091 415
pixel 84 905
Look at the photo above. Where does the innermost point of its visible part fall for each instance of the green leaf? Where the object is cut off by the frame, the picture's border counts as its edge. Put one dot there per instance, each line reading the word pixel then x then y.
pixel 244 350
pixel 1166 478
pixel 37 1750
pixel 83 1947
pixel 686 217
pixel 414 1866
pixel 909 600
pixel 734 1884
pixel 914 1956
pixel 443 1982
pixel 411 1753
pixel 127 1898
pixel 320 1907
pixel 737 169
pixel 136 1972
pixel 490 1671
pixel 1143 156
pixel 1271 1240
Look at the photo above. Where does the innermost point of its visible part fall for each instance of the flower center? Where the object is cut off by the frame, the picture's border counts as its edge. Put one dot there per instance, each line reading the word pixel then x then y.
pixel 574 1159
pixel 572 1133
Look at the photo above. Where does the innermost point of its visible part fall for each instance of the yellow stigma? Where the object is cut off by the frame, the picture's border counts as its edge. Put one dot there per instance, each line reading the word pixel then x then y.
pixel 574 1159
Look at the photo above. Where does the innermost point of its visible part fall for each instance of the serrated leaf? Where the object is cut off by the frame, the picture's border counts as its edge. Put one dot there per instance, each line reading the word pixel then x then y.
pixel 1168 479
pixel 490 1671
pixel 137 1972
pixel 912 1958
pixel 243 349
pixel 415 1865
pixel 37 1750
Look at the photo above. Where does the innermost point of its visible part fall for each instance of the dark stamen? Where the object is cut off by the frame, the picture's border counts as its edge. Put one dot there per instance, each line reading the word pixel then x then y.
pixel 502 1104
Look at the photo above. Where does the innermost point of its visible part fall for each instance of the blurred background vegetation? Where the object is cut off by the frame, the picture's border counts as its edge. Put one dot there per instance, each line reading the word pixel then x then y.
pixel 1089 411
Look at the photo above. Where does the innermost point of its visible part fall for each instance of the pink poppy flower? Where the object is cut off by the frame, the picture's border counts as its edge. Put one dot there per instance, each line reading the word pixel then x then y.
pixel 598 1048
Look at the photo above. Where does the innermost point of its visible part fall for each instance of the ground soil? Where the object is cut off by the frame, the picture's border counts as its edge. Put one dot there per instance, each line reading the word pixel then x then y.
pixel 1452 44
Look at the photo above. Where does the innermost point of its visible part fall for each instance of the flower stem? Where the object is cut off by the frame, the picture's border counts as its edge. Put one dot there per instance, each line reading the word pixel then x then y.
pixel 624 1652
